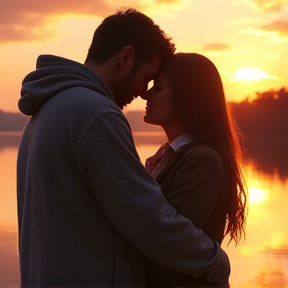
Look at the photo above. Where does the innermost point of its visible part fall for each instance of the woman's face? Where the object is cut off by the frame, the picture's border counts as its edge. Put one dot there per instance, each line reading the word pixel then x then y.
pixel 159 106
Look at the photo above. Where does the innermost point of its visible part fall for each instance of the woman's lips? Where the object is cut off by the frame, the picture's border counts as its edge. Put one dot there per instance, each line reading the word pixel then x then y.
pixel 148 106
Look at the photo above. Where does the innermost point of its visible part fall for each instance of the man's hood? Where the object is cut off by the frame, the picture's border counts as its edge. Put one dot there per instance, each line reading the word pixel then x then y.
pixel 52 75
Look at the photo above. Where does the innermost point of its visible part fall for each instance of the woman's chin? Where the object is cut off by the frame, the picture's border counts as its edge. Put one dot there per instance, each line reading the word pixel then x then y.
pixel 147 119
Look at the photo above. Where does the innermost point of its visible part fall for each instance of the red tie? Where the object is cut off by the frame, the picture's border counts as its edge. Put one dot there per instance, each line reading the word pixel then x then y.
pixel 164 151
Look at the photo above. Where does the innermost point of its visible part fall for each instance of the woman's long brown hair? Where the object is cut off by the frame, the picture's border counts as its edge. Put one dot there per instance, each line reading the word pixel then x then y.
pixel 198 96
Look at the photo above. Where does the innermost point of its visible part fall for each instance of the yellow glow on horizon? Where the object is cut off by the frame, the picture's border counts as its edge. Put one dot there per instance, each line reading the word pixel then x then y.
pixel 251 74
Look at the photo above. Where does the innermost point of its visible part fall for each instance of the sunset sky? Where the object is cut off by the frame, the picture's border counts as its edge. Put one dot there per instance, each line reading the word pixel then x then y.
pixel 246 39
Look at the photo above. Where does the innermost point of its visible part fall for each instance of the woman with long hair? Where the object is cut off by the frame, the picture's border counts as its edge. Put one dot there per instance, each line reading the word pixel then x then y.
pixel 199 168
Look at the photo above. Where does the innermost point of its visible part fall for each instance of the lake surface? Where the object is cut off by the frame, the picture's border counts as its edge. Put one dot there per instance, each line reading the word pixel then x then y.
pixel 259 261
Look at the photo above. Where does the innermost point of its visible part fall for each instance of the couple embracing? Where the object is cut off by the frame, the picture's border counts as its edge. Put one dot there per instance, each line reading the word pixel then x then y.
pixel 90 214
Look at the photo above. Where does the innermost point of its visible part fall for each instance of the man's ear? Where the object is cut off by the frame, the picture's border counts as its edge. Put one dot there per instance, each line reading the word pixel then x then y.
pixel 126 58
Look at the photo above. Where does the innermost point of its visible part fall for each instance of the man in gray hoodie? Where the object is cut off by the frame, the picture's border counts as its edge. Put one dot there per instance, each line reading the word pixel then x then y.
pixel 88 210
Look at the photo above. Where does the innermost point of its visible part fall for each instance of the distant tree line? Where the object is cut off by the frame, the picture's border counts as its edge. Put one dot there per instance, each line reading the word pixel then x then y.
pixel 10 121
pixel 264 122
pixel 267 114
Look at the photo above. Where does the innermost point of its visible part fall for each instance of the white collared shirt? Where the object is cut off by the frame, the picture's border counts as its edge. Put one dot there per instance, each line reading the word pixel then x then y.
pixel 182 140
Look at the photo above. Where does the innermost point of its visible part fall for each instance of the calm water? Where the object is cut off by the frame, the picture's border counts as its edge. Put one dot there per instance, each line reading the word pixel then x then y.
pixel 260 261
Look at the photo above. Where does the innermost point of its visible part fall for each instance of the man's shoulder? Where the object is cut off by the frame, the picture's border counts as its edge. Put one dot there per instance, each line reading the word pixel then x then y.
pixel 88 101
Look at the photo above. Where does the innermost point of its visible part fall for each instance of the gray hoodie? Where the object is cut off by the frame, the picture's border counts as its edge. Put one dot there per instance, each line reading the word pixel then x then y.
pixel 87 208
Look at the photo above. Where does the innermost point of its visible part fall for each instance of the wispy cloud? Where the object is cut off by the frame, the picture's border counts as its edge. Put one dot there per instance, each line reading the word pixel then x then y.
pixel 33 19
pixel 266 5
pixel 280 27
pixel 277 31
pixel 27 20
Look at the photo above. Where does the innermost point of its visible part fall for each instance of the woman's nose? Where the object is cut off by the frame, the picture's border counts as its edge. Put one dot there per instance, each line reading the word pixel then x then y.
pixel 145 95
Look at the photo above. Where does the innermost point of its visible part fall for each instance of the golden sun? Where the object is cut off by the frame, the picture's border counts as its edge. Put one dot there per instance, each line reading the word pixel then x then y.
pixel 250 74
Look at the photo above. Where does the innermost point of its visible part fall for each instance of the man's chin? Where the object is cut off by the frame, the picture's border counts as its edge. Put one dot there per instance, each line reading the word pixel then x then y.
pixel 121 105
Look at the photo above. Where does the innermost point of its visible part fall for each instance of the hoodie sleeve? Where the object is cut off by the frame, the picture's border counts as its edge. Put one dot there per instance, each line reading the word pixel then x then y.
pixel 136 207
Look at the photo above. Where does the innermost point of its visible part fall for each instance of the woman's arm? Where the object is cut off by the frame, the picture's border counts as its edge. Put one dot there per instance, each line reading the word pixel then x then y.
pixel 196 186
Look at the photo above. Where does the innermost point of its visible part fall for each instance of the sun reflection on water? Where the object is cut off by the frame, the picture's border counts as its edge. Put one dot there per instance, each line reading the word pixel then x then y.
pixel 260 261
pixel 257 195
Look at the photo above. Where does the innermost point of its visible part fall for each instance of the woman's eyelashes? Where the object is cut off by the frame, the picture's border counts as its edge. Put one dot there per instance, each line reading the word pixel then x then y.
pixel 157 87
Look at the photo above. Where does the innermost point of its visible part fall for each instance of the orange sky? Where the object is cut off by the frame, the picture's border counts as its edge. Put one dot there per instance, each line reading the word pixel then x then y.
pixel 246 39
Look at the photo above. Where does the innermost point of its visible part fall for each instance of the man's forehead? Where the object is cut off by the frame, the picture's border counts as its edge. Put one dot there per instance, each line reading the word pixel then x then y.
pixel 157 61
pixel 153 67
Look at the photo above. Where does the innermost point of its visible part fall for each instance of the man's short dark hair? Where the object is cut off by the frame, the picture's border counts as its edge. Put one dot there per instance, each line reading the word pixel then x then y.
pixel 129 27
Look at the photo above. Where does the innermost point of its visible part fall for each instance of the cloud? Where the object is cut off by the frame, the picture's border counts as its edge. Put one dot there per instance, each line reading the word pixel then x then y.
pixel 277 31
pixel 266 5
pixel 280 27
pixel 33 19
pixel 28 20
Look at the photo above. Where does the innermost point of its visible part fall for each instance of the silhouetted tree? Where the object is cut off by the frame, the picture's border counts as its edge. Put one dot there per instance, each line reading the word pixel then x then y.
pixel 264 121
pixel 267 114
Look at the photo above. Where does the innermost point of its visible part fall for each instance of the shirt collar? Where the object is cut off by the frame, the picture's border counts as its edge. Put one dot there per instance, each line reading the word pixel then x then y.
pixel 182 140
